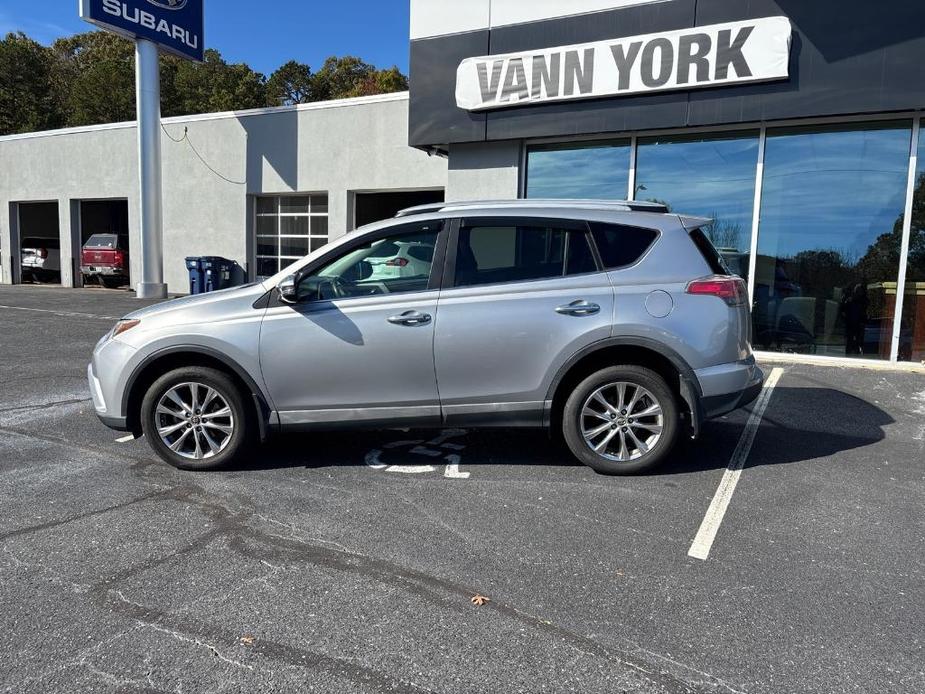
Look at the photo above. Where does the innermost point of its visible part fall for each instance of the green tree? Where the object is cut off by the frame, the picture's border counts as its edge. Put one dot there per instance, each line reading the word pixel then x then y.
pixel 340 78
pixel 26 101
pixel 380 82
pixel 95 75
pixel 214 85
pixel 292 83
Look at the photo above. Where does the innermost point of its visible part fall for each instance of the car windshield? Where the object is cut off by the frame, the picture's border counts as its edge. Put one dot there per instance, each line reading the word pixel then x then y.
pixel 102 241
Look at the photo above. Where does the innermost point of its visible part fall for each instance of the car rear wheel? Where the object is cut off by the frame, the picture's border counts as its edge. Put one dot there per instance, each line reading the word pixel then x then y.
pixel 195 418
pixel 621 420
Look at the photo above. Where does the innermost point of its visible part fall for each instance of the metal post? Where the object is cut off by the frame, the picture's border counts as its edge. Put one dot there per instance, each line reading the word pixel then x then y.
pixel 756 216
pixel 631 192
pixel 148 88
pixel 907 234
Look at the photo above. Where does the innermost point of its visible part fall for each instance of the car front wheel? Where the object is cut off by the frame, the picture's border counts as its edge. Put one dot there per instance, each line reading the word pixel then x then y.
pixel 195 418
pixel 621 420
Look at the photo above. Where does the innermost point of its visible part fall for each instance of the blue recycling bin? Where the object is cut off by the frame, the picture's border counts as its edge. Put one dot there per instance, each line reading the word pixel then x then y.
pixel 197 278
pixel 217 272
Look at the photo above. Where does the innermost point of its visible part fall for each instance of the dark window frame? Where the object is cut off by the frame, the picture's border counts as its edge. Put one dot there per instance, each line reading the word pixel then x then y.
pixel 568 225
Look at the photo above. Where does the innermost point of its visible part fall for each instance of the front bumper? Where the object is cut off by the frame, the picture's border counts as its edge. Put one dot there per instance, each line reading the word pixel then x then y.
pixel 111 360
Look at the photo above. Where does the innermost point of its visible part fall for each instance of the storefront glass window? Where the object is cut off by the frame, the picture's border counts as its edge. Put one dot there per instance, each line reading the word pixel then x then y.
pixel 912 335
pixel 289 228
pixel 829 240
pixel 598 170
pixel 707 176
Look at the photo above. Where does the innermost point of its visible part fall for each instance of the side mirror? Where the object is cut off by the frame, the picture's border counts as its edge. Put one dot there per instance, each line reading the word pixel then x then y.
pixel 289 290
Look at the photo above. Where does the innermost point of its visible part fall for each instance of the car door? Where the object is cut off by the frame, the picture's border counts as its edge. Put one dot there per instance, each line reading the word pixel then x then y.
pixel 521 296
pixel 357 346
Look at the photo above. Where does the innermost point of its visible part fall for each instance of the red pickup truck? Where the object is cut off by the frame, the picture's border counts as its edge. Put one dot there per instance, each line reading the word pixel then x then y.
pixel 105 258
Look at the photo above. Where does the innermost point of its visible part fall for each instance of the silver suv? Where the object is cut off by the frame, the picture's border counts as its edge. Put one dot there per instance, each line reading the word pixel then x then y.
pixel 614 324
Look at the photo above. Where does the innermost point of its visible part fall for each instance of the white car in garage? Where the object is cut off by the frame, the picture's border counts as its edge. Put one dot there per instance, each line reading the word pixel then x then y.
pixel 401 259
pixel 41 259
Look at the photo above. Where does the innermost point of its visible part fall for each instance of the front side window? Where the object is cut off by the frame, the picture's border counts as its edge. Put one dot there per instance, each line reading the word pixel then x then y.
pixel 399 263
pixel 519 253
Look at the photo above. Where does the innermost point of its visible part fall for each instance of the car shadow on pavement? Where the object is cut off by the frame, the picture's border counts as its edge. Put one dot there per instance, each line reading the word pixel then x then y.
pixel 800 424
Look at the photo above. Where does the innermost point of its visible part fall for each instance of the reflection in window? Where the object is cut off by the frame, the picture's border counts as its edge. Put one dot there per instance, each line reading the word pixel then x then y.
pixel 912 334
pixel 712 177
pixel 829 240
pixel 397 264
pixel 592 170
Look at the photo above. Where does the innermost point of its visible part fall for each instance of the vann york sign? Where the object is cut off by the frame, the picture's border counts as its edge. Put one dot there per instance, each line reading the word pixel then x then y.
pixel 733 53
pixel 175 25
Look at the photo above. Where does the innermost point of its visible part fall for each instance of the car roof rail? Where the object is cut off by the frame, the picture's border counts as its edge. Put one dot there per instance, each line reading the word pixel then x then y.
pixel 534 203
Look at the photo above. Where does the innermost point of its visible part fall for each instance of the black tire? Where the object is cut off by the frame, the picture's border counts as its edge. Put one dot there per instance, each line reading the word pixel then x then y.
pixel 635 376
pixel 111 282
pixel 242 419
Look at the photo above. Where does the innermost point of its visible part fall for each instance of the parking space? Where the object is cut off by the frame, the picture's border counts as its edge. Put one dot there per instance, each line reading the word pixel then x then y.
pixel 348 562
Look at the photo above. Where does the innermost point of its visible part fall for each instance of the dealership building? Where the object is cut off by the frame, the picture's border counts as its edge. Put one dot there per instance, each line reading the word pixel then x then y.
pixel 794 125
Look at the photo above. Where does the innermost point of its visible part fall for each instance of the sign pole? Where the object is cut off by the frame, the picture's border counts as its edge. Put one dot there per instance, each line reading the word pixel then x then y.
pixel 148 90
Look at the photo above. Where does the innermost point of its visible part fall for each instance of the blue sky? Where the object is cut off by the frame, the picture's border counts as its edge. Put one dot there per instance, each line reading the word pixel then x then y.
pixel 263 33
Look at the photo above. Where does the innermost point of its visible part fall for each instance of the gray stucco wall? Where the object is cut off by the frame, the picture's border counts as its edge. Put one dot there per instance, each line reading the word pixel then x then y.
pixel 484 171
pixel 336 147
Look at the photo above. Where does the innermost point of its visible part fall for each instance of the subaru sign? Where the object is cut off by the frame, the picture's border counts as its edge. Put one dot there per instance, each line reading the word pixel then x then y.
pixel 174 25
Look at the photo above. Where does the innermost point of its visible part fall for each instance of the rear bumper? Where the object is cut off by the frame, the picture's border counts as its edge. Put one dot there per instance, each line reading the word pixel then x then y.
pixel 102 270
pixel 718 405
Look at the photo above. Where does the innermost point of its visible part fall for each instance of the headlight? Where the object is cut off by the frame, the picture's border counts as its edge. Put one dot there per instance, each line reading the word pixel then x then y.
pixel 123 326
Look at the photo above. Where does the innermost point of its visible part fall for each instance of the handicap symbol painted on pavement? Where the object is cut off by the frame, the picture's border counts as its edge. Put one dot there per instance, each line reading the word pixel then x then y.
pixel 440 447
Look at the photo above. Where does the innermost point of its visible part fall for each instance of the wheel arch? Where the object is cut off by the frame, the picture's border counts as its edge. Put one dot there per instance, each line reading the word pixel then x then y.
pixel 157 364
pixel 637 351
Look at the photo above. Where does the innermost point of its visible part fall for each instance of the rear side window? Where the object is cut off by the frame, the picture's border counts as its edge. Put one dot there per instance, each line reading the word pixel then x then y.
pixel 54 244
pixel 102 241
pixel 621 246
pixel 710 254
pixel 518 253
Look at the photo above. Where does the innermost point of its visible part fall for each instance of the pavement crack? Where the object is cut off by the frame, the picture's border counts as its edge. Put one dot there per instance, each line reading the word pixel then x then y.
pixel 83 516
pixel 202 644
pixel 44 405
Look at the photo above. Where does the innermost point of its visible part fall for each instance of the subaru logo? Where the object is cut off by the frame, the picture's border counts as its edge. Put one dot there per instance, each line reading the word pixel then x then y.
pixel 169 4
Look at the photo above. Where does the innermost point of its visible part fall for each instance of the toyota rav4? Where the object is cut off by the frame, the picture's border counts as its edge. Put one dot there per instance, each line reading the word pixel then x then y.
pixel 613 324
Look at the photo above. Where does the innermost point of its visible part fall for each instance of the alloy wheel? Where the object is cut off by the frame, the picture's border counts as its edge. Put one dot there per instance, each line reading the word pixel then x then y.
pixel 194 421
pixel 622 421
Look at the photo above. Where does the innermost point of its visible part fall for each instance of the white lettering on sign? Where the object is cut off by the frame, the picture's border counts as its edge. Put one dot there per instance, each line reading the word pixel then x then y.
pixel 116 8
pixel 751 51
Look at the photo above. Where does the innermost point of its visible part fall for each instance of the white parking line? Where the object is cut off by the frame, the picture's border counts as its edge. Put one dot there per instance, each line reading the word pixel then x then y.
pixel 126 439
pixel 64 314
pixel 703 542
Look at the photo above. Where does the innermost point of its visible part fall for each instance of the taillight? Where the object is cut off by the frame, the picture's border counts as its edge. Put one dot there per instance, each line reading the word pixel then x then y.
pixel 397 262
pixel 118 257
pixel 732 290
pixel 43 253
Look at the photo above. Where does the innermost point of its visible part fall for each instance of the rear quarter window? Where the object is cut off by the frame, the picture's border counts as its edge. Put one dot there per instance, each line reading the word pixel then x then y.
pixel 710 254
pixel 621 246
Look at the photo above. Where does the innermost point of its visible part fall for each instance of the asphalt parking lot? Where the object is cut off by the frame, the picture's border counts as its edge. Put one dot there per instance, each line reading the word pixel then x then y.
pixel 347 563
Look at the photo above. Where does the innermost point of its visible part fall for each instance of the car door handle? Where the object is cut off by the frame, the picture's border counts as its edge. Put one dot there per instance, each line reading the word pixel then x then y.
pixel 410 318
pixel 579 307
